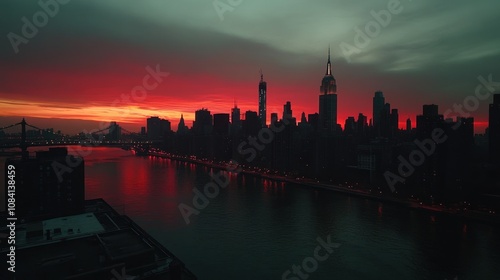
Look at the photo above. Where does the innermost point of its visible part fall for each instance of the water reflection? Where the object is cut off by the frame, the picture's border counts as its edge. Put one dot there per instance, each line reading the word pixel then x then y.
pixel 257 228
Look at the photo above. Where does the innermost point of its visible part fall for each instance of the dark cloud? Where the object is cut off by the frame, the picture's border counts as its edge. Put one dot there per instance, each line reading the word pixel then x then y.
pixel 93 51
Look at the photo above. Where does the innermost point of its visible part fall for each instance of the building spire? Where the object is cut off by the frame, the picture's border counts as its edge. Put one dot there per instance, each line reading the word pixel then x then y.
pixel 328 53
pixel 261 75
pixel 329 64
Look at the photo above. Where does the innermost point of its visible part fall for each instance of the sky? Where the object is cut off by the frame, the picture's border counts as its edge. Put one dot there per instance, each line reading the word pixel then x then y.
pixel 86 59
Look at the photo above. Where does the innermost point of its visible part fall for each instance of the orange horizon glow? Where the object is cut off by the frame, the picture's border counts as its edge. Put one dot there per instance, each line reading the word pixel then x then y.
pixel 134 117
pixel 99 98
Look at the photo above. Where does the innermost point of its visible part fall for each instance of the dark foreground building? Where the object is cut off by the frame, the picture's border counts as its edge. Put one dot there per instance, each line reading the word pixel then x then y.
pixel 60 235
pixel 97 244
pixel 49 184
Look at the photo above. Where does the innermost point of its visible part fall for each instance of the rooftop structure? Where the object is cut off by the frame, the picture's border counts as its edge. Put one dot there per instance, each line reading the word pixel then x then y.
pixel 98 244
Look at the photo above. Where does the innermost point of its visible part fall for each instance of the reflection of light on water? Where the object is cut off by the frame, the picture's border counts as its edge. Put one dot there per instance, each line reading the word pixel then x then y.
pixel 284 211
pixel 433 219
pixel 464 229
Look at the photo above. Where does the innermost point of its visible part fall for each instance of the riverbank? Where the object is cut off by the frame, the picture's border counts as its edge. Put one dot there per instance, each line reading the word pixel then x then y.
pixel 468 215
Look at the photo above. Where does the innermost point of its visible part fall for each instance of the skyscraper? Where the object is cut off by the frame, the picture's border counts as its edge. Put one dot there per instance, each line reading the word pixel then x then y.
pixel 328 99
pixel 274 118
pixel 350 126
pixel 235 120
pixel 203 120
pixel 313 120
pixel 251 124
pixel 49 187
pixel 430 110
pixel 378 106
pixel 181 127
pixel 394 122
pixel 287 114
pixel 303 118
pixel 157 128
pixel 494 129
pixel 221 124
pixel 262 99
pixel 428 121
pixel 362 123
pixel 287 110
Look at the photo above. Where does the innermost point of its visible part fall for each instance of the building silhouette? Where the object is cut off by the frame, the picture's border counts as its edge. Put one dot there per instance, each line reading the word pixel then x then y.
pixel 385 120
pixel 303 118
pixel 350 126
pixel 262 99
pixel 183 143
pixel 99 243
pixel 494 129
pixel 287 113
pixel 362 124
pixel 428 121
pixel 274 118
pixel 378 106
pixel 235 120
pixel 251 124
pixel 157 128
pixel 49 186
pixel 202 143
pixel 221 124
pixel 221 140
pixel 313 120
pixel 394 122
pixel 328 100
pixel 181 127
pixel 202 124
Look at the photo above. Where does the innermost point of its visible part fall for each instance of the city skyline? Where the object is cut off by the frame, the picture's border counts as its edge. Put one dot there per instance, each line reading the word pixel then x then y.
pixel 328 88
pixel 211 65
pixel 99 65
pixel 250 139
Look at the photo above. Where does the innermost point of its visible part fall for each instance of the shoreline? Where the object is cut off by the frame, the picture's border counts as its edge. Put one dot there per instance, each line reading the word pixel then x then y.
pixel 471 215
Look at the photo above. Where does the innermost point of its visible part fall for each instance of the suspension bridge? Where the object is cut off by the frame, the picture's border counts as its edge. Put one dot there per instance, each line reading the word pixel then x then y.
pixel 116 136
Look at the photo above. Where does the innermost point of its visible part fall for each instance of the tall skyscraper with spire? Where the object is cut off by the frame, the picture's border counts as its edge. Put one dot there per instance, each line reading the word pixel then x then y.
pixel 262 99
pixel 328 84
pixel 328 100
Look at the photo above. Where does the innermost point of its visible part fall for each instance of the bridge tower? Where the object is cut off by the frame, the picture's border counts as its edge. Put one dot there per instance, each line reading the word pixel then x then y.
pixel 24 145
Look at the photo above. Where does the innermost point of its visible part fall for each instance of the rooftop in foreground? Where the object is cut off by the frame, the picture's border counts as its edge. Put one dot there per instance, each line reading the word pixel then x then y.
pixel 99 244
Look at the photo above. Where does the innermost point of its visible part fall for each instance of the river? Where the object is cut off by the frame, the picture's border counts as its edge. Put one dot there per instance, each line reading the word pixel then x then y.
pixel 258 229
